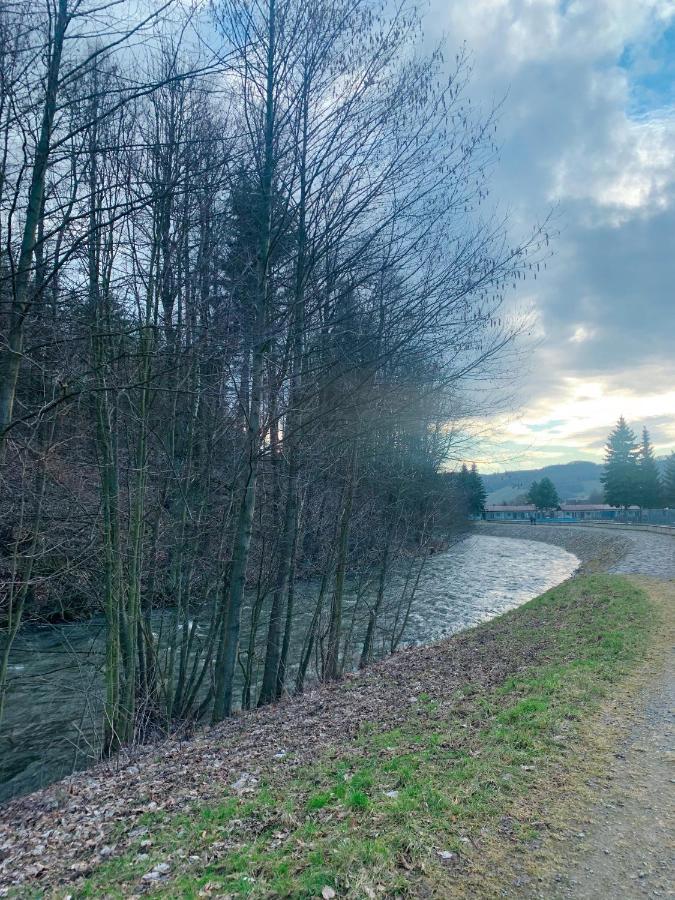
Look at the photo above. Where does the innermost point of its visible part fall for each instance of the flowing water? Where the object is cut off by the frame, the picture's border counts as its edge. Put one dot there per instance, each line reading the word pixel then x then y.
pixel 53 712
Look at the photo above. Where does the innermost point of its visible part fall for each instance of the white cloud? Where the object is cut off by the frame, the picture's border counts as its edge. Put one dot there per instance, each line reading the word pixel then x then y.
pixel 573 421
pixel 632 171
pixel 581 334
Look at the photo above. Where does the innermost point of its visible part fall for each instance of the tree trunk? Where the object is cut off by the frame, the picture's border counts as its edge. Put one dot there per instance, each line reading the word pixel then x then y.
pixel 268 691
pixel 10 358
pixel 332 664
pixel 232 623
pixel 367 651
pixel 283 661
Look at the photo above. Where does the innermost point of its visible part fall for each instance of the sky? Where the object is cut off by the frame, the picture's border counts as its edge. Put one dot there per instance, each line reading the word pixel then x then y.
pixel 587 133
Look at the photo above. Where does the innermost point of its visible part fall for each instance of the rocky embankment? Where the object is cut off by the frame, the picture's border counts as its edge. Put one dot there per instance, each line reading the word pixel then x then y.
pixel 598 549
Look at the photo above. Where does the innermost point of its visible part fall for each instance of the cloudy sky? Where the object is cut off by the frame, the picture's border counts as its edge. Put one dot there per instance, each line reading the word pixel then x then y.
pixel 588 130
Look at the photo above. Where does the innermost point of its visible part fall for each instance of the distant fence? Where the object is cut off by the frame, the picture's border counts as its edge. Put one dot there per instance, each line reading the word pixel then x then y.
pixel 605 516
pixel 627 526
pixel 658 516
pixel 619 526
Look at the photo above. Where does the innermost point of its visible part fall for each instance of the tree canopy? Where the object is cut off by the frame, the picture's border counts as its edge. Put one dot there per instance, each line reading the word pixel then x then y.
pixel 249 272
pixel 669 482
pixel 631 474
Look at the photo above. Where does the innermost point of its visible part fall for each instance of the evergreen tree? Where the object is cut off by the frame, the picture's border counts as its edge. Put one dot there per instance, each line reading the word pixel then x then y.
pixel 477 492
pixel 621 475
pixel 543 494
pixel 463 483
pixel 533 494
pixel 472 490
pixel 669 482
pixel 648 475
pixel 465 488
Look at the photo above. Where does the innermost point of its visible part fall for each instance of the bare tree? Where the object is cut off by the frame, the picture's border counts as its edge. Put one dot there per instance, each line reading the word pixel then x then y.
pixel 243 292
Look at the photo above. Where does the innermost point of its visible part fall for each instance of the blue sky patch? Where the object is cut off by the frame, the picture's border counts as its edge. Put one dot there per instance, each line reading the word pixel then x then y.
pixel 651 71
pixel 545 426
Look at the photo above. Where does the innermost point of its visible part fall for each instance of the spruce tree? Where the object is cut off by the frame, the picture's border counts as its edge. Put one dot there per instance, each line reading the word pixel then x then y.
pixel 532 495
pixel 472 490
pixel 648 475
pixel 621 475
pixel 477 492
pixel 543 494
pixel 669 482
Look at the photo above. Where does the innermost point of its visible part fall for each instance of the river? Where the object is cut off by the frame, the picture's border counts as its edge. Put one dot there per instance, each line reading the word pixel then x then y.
pixel 53 710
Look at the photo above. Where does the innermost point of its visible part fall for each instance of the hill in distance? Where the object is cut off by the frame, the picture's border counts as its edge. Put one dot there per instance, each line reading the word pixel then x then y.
pixel 573 481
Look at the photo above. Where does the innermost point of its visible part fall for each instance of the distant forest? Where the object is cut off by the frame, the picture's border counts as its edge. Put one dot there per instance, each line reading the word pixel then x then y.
pixel 574 481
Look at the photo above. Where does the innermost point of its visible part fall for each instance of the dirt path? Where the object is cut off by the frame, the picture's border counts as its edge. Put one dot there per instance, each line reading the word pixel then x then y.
pixel 624 847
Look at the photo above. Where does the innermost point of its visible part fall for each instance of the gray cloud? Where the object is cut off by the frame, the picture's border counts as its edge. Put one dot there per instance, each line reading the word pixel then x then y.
pixel 572 141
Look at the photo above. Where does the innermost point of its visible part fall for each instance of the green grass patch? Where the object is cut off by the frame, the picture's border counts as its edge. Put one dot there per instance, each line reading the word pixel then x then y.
pixel 400 811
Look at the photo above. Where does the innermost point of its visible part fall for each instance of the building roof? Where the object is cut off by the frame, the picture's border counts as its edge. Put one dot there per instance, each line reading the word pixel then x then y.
pixel 500 508
pixel 565 507
pixel 591 507
pixel 586 507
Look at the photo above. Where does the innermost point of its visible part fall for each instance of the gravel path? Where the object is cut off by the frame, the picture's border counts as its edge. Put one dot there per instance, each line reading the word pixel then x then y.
pixel 625 848
pixel 650 554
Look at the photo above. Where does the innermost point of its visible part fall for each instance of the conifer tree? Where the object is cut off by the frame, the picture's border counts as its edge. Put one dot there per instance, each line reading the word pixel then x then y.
pixel 543 494
pixel 472 490
pixel 477 492
pixel 669 482
pixel 621 475
pixel 464 487
pixel 648 475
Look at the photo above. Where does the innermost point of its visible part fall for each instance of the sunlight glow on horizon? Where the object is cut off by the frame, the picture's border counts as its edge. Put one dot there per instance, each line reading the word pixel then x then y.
pixel 574 425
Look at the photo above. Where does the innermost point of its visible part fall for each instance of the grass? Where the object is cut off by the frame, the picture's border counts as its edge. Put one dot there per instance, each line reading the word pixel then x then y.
pixel 426 809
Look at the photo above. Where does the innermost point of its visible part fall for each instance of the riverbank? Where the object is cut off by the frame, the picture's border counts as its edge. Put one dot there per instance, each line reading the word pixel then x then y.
pixel 434 773
pixel 51 725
